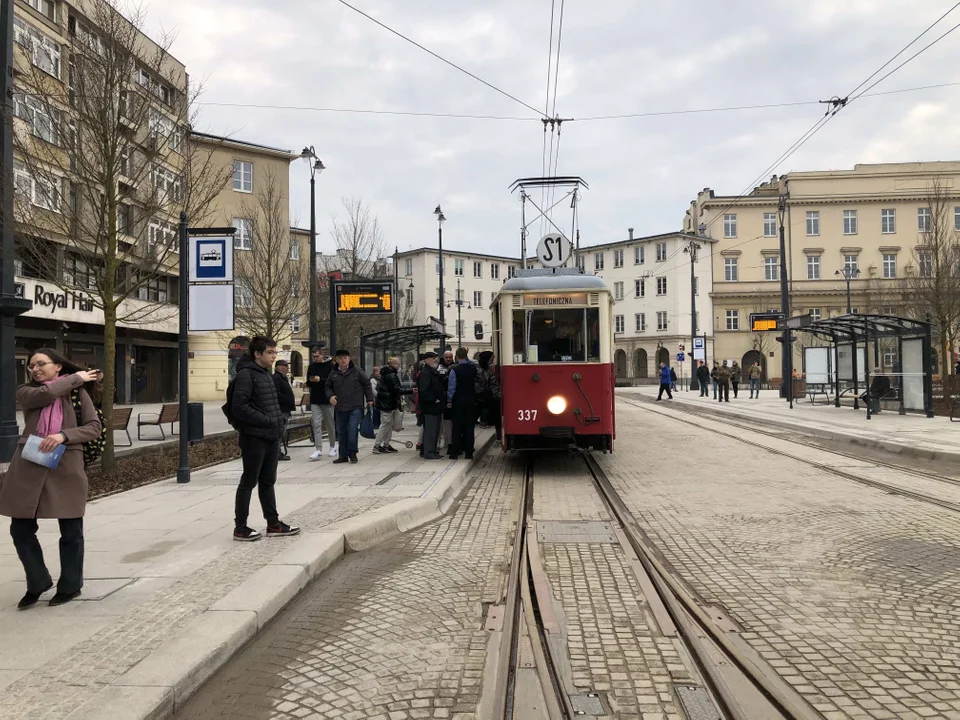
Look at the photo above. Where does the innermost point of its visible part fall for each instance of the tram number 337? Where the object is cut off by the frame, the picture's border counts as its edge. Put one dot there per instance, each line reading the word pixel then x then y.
pixel 528 415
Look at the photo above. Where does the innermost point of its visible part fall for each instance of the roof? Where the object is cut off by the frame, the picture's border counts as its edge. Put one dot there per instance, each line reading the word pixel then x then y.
pixel 546 283
pixel 649 238
pixel 206 137
pixel 448 251
pixel 868 327
pixel 402 339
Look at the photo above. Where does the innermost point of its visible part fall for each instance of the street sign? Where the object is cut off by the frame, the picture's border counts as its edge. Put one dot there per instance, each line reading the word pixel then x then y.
pixel 698 343
pixel 211 259
pixel 554 250
pixel 763 322
pixel 364 298
pixel 796 323
pixel 681 357
pixel 680 348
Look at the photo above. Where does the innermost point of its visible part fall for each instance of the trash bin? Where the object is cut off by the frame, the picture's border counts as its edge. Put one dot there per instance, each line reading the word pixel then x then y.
pixel 194 421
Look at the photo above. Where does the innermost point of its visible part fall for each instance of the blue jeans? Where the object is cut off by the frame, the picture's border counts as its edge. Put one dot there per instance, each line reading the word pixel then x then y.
pixel 754 386
pixel 715 385
pixel 348 431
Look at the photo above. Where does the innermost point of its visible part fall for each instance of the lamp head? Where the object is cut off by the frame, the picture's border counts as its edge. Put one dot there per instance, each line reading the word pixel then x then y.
pixel 308 155
pixel 438 211
pixel 319 167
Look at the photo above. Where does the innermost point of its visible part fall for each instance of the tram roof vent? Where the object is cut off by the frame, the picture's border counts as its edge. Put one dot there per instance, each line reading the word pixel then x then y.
pixel 517 301
pixel 594 299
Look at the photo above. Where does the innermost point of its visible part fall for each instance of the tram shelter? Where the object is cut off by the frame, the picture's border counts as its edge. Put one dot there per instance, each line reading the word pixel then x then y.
pixel 846 361
pixel 377 347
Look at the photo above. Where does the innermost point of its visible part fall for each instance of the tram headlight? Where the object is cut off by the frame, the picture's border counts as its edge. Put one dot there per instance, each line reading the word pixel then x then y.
pixel 557 404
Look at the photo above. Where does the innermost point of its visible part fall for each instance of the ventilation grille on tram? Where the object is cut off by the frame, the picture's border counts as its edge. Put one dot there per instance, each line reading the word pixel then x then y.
pixel 594 299
pixel 517 301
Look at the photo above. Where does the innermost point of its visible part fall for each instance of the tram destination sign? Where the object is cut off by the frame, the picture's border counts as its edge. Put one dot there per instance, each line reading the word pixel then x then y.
pixel 565 300
pixel 764 322
pixel 364 298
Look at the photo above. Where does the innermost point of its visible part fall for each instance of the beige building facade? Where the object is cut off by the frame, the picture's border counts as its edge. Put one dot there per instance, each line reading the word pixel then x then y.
pixel 256 203
pixel 867 223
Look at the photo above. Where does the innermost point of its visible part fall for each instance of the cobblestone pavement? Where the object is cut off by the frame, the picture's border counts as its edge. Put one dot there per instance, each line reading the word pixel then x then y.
pixel 850 593
pixel 59 687
pixel 396 632
pixel 614 646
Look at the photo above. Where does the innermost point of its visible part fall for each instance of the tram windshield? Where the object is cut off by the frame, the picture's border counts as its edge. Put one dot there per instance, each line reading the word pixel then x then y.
pixel 567 335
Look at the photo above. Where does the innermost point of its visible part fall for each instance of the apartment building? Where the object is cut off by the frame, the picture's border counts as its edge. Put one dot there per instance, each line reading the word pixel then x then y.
pixel 650 278
pixel 868 224
pixel 271 261
pixel 472 278
pixel 82 205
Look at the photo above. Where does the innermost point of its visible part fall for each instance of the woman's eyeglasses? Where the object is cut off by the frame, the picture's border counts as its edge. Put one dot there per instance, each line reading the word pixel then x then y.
pixel 37 366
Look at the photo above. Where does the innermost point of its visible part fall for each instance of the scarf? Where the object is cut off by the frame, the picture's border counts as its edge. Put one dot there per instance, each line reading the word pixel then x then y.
pixel 51 417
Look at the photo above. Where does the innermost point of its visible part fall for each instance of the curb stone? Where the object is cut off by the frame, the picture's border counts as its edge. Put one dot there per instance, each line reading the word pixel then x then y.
pixel 158 686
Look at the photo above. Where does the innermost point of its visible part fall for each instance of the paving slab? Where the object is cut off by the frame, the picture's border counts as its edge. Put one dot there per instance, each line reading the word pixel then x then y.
pixel 912 434
pixel 161 566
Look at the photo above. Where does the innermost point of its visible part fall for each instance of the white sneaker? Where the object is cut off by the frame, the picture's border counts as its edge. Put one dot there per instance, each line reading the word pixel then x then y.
pixel 334 451
pixel 317 455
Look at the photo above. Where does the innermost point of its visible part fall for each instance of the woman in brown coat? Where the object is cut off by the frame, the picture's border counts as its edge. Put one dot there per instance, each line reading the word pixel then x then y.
pixel 30 491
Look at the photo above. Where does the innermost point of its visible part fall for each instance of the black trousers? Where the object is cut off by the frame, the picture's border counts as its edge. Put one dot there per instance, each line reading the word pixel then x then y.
pixel 464 424
pixel 24 534
pixel 431 433
pixel 260 459
pixel 736 388
pixel 664 386
pixel 724 393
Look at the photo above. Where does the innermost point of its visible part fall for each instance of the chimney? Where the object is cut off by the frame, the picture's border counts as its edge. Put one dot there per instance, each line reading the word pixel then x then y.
pixel 630 230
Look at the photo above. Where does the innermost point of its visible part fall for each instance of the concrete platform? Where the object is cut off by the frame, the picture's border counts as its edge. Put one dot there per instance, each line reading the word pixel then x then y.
pixel 169 597
pixel 911 434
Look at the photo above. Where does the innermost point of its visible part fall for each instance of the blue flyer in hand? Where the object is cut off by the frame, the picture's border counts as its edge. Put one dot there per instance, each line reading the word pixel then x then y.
pixel 31 451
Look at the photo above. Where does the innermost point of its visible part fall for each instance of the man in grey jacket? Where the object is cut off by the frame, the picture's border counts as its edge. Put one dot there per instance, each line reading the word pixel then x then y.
pixel 348 388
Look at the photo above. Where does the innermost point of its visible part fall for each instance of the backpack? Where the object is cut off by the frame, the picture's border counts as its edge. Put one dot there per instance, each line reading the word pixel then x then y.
pixel 227 407
pixel 92 449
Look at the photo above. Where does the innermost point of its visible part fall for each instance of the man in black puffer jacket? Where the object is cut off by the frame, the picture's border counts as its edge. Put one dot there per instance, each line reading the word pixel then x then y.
pixel 389 393
pixel 256 411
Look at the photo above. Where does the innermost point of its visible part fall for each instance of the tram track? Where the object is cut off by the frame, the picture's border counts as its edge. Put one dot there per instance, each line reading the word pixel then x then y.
pixel 845 474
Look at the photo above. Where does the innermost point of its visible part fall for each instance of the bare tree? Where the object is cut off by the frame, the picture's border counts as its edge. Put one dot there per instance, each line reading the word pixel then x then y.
pixel 360 253
pixel 931 286
pixel 104 165
pixel 277 290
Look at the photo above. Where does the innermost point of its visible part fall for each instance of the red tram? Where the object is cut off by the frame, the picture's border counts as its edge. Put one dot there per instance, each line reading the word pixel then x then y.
pixel 553 337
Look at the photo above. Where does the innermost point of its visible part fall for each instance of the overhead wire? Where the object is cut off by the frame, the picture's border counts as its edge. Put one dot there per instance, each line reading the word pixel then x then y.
pixel 437 56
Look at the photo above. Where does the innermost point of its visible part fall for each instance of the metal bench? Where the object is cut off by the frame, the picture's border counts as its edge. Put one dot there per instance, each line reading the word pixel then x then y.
pixel 304 403
pixel 121 422
pixel 815 389
pixel 168 414
pixel 292 425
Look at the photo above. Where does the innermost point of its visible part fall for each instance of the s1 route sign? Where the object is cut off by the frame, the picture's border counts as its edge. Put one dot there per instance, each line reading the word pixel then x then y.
pixel 554 250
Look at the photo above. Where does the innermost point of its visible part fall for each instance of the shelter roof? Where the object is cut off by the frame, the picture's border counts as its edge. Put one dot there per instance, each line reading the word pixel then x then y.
pixel 868 327
pixel 404 338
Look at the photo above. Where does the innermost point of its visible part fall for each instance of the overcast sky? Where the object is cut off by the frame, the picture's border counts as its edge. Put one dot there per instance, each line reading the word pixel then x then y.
pixel 617 57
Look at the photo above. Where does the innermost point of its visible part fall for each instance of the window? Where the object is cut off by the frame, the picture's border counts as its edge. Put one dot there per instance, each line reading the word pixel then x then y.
pixel 155 289
pixel 855 311
pixel 494 271
pixel 242 176
pixel 618 324
pixel 77 273
pixel 661 286
pixel 44 52
pixel 956 218
pixel 618 291
pixel 661 252
pixel 458 267
pixel 166 183
pixel 558 335
pixel 43 121
pixel 729 226
pixel 889 358
pixel 641 322
pixel 408 267
pixel 125 219
pixel 638 255
pixel 771 268
pixel 733 319
pixel 850 268
pixel 730 269
pixel 889 266
pixel 295 287
pixel 849 222
pixel 43 191
pixel 44 6
pixel 294 323
pixel 618 258
pixel 243 238
pixel 813 267
pixel 925 262
pixel 243 292
pixel 294 248
pixel 814 314
pixel 639 288
pixel 163 129
pixel 923 220
pixel 598 261
pixel 477 298
pixel 769 225
pixel 160 232
pixel 478 269
pixel 662 320
pixel 813 222
pixel 511 271
pixel 409 294
pixel 888 221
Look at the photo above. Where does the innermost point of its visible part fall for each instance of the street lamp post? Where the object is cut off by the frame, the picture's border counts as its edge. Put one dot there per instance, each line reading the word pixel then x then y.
pixel 692 248
pixel 786 365
pixel 459 303
pixel 440 220
pixel 848 274
pixel 316 166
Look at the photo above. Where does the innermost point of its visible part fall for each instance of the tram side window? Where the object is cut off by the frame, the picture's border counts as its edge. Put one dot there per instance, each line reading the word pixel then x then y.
pixel 593 335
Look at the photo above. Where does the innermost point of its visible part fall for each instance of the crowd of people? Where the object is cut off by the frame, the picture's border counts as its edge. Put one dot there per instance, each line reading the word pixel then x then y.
pixel 722 377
